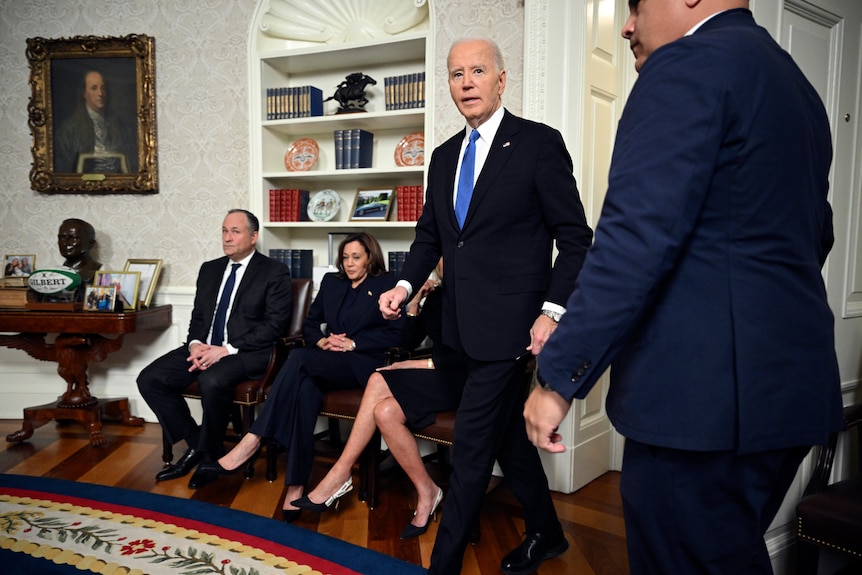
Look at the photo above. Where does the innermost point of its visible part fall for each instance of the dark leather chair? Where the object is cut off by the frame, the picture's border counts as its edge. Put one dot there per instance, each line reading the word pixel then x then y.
pixel 250 392
pixel 830 515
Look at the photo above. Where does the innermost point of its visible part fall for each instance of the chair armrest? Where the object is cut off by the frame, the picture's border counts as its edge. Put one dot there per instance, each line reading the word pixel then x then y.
pixel 826 453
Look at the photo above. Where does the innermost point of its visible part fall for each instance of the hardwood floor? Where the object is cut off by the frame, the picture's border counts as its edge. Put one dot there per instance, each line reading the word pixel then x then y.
pixel 591 517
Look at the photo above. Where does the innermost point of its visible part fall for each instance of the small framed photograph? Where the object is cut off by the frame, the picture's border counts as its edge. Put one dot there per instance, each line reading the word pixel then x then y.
pixel 150 271
pixel 18 265
pixel 100 298
pixel 125 286
pixel 372 204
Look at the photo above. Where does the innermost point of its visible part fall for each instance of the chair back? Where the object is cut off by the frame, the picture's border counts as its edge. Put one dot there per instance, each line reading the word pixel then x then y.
pixel 301 288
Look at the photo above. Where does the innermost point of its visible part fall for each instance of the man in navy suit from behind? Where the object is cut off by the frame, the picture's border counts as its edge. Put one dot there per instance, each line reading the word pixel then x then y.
pixel 258 314
pixel 703 291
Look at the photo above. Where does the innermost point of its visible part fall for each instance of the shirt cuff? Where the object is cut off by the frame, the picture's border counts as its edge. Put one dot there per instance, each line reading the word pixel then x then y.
pixel 231 349
pixel 550 306
pixel 406 285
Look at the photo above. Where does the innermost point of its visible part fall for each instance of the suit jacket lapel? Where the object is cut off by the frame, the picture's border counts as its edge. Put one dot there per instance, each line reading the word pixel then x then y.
pixel 247 279
pixel 451 158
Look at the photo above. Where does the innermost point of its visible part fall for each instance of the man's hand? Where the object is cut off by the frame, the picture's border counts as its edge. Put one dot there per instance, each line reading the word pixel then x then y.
pixel 543 413
pixel 203 356
pixel 542 329
pixel 390 302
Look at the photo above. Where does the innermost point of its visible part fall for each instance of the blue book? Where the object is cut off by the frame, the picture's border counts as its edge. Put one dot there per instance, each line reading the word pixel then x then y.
pixel 361 148
pixel 338 136
pixel 315 101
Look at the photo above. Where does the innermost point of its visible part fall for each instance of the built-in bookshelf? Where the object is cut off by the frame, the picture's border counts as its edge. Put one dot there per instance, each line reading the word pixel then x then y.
pixel 290 82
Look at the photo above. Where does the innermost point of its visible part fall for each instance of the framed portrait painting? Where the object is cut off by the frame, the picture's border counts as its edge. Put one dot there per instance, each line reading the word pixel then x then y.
pixel 372 204
pixel 92 114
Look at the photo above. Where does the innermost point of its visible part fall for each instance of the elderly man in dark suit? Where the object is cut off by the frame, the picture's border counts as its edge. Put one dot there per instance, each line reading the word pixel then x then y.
pixel 703 290
pixel 494 217
pixel 242 305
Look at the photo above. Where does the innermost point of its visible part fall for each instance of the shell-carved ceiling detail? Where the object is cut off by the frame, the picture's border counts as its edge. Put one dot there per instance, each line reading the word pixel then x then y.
pixel 341 21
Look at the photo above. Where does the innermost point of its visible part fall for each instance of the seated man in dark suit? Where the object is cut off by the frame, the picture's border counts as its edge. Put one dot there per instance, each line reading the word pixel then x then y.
pixel 242 305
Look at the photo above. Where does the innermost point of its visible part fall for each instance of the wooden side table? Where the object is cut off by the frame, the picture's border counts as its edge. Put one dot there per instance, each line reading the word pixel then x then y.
pixel 80 340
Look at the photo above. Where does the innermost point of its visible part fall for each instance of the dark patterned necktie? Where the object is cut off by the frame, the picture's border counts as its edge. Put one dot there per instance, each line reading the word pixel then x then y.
pixel 221 311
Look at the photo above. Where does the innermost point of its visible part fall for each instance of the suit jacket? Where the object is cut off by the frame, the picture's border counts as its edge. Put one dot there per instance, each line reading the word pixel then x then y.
pixel 261 307
pixel 703 286
pixel 498 268
pixel 363 322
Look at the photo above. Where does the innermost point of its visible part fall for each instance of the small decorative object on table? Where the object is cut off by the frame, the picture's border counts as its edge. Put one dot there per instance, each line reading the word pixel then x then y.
pixel 55 289
pixel 350 93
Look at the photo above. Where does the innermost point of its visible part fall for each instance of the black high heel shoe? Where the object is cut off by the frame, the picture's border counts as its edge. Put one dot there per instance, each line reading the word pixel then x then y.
pixel 290 515
pixel 305 503
pixel 412 531
pixel 215 468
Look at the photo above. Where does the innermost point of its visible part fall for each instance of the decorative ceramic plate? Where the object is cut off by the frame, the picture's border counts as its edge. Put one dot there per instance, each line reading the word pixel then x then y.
pixel 301 155
pixel 323 205
pixel 410 151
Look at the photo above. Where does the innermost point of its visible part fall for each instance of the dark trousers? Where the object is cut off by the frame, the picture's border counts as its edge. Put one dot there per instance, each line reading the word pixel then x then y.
pixel 162 382
pixel 490 426
pixel 290 411
pixel 700 512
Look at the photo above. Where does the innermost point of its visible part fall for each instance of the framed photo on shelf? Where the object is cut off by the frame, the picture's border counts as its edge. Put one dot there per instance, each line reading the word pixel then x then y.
pixel 100 298
pixel 150 271
pixel 125 285
pixel 18 265
pixel 372 204
pixel 78 78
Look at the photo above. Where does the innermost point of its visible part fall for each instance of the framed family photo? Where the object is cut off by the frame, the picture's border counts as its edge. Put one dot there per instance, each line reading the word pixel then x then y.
pixel 150 271
pixel 18 265
pixel 372 204
pixel 100 298
pixel 92 114
pixel 125 285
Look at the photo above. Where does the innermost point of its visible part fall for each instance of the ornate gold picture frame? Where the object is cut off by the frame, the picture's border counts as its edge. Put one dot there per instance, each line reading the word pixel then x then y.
pixel 92 114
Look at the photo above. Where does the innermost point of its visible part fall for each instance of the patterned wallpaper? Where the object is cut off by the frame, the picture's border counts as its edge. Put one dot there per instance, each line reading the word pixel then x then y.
pixel 202 121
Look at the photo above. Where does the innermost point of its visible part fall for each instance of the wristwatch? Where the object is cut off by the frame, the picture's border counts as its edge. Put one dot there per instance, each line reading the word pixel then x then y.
pixel 554 315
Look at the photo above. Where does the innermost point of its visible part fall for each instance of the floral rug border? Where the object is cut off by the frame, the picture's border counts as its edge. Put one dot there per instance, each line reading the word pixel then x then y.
pixel 116 542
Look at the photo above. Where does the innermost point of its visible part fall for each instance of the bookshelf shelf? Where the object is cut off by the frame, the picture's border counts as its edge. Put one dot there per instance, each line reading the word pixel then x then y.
pixel 277 63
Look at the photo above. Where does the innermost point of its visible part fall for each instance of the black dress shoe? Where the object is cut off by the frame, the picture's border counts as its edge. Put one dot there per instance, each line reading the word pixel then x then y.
pixel 182 467
pixel 535 549
pixel 201 478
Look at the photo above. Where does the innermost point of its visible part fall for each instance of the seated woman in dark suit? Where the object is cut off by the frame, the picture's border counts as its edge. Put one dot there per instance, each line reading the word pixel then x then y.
pixel 400 397
pixel 346 340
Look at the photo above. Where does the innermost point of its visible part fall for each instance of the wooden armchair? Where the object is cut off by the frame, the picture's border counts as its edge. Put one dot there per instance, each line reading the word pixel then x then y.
pixel 830 515
pixel 250 392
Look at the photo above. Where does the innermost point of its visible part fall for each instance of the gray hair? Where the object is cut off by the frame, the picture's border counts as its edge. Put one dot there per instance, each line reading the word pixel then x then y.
pixel 498 54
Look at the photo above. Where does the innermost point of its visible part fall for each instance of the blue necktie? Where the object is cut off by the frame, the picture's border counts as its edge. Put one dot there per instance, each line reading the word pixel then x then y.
pixel 465 180
pixel 223 303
